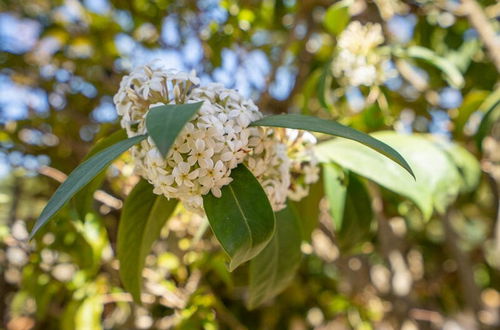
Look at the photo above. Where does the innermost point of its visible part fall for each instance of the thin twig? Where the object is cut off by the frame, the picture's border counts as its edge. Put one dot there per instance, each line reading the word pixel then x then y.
pixel 99 195
pixel 485 30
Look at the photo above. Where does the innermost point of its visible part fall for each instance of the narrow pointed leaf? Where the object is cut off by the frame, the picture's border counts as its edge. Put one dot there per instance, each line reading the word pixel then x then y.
pixel 242 218
pixel 333 128
pixel 82 175
pixel 144 215
pixel 83 199
pixel 272 270
pixel 165 122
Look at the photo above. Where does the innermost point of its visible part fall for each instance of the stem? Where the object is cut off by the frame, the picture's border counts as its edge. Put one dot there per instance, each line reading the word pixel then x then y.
pixel 465 270
pixel 479 21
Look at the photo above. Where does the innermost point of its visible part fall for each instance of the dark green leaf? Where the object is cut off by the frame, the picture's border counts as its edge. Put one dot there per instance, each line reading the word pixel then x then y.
pixel 144 215
pixel 83 199
pixel 82 175
pixel 242 218
pixel 333 128
pixel 272 270
pixel 165 122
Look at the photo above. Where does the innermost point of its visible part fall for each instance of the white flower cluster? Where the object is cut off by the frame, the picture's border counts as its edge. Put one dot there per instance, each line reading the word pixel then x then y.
pixel 214 142
pixel 359 61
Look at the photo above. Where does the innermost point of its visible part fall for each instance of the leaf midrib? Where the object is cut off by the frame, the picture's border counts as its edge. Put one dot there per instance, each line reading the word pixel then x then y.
pixel 243 215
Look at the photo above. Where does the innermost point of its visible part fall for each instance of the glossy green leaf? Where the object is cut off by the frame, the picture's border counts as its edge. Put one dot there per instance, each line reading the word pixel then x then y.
pixel 337 17
pixel 438 179
pixel 165 122
pixel 83 199
pixel 82 175
pixel 272 270
pixel 144 215
pixel 451 73
pixel 333 128
pixel 242 218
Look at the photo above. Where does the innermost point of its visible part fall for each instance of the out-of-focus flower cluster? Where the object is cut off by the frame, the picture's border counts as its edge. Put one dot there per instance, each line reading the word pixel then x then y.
pixel 214 142
pixel 359 60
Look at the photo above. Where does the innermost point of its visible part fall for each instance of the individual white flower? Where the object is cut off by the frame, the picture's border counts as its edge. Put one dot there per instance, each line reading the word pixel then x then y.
pixel 359 60
pixel 200 154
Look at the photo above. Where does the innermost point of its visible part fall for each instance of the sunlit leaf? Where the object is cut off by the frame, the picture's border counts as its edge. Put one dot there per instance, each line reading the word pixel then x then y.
pixel 337 17
pixel 272 270
pixel 333 128
pixel 82 175
pixel 335 182
pixel 144 215
pixel 451 73
pixel 438 179
pixel 242 218
pixel 468 166
pixel 89 312
pixel 165 122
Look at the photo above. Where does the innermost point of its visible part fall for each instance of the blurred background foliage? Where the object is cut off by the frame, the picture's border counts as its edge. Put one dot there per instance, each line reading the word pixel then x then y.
pixel 391 254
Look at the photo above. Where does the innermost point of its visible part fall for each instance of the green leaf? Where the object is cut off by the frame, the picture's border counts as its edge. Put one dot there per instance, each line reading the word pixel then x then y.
pixel 438 180
pixel 468 166
pixel 491 109
pixel 242 218
pixel 82 175
pixel 83 199
pixel 471 103
pixel 355 227
pixel 308 209
pixel 333 128
pixel 451 72
pixel 165 122
pixel 89 313
pixel 144 215
pixel 324 82
pixel 272 270
pixel 335 181
pixel 337 17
